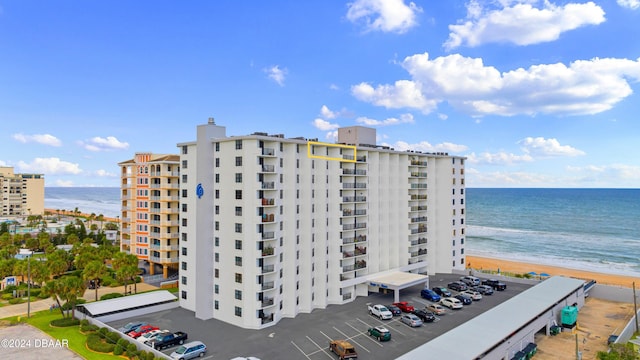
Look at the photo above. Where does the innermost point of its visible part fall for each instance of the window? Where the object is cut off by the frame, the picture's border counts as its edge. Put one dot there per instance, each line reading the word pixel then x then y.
pixel 238 144
pixel 184 164
pixel 238 160
pixel 217 225
pixel 238 311
pixel 238 261
pixel 238 244
pixel 217 257
pixel 217 178
pixel 454 253
pixel 238 294
pixel 184 207
pixel 217 162
pixel 184 193
pixel 216 288
pixel 184 222
pixel 184 265
pixel 453 191
pixel 184 178
pixel 184 251
pixel 454 222
pixel 461 221
pixel 453 242
pixel 217 241
pixel 238 228
pixel 215 303
pixel 239 278
pixel 217 210
pixel 184 294
pixel 184 236
pixel 217 194
pixel 462 241
pixel 217 146
pixel 216 273
pixel 184 150
pixel 238 194
pixel 238 177
pixel 461 191
pixel 238 210
pixel 184 280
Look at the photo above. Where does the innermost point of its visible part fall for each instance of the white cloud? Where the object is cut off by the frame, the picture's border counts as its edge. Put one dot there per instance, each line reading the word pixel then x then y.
pixel 443 116
pixel 324 125
pixel 44 139
pixel 476 178
pixel 404 119
pixel 276 74
pixel 607 174
pixel 547 147
pixel 332 135
pixel 499 158
pixel 425 146
pixel 64 183
pixel 583 87
pixel 384 15
pixel 104 144
pixel 3 163
pixel 49 166
pixel 105 173
pixel 334 87
pixel 326 113
pixel 631 4
pixel 521 23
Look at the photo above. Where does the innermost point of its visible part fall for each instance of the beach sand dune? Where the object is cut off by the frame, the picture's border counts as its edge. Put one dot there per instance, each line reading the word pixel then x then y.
pixel 507 266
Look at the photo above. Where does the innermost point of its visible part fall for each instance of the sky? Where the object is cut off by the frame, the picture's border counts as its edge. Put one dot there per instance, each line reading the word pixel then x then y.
pixel 533 93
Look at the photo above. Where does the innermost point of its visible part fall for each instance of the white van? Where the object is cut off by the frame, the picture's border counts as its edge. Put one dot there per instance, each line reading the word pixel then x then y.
pixel 190 350
pixel 470 280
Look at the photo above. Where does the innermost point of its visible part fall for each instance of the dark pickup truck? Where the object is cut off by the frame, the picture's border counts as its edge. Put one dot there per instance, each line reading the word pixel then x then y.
pixel 167 340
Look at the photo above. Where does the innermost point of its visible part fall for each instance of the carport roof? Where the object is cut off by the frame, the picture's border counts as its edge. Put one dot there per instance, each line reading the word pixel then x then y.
pixel 478 335
pixel 99 308
pixel 397 280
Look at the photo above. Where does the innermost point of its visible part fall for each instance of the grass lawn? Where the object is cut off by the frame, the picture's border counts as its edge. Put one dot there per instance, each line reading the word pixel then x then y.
pixel 75 338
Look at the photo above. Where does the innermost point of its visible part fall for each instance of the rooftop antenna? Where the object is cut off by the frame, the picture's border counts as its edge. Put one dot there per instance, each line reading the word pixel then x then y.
pixel 212 121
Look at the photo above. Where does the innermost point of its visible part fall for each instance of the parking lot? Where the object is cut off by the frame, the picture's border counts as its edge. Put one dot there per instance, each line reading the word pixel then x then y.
pixel 307 336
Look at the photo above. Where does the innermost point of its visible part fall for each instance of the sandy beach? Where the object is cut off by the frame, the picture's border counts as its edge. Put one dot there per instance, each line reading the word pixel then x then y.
pixel 81 214
pixel 507 266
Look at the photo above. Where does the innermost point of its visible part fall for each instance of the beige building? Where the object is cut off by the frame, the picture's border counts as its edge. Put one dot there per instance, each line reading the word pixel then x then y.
pixel 22 194
pixel 150 209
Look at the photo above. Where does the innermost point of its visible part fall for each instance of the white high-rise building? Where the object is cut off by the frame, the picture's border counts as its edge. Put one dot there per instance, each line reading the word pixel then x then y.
pixel 272 226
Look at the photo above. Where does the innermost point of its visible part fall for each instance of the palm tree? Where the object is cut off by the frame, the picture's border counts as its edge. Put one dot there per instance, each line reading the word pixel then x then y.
pixel 94 270
pixel 126 267
pixel 51 288
pixel 70 289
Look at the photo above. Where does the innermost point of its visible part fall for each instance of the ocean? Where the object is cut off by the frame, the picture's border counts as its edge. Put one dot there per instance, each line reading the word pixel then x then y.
pixel 588 229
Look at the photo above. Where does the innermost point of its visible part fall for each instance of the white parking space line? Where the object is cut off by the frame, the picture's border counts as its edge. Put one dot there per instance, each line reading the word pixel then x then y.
pixel 388 322
pixel 297 347
pixel 351 338
pixel 366 334
pixel 320 347
pixel 325 335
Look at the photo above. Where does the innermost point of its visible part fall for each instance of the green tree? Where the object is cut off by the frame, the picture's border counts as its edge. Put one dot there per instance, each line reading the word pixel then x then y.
pixel 44 240
pixel 40 273
pixel 86 254
pixel 126 267
pixel 619 352
pixel 70 288
pixel 6 267
pixel 58 262
pixel 94 270
pixel 51 288
pixel 32 244
pixel 20 269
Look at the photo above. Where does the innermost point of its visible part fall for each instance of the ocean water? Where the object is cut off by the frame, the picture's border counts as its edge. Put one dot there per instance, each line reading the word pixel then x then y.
pixel 588 229
pixel 98 200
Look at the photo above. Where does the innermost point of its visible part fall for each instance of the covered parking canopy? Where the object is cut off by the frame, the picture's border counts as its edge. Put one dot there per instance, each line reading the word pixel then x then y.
pixel 396 281
pixel 122 307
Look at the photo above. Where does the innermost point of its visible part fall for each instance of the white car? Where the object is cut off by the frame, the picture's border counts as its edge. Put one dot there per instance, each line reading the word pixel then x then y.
pixel 150 335
pixel 451 303
pixel 472 294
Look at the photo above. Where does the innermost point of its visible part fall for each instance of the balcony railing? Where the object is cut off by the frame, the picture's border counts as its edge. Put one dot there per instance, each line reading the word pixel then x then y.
pixel 346 296
pixel 354 226
pixel 358 252
pixel 418 197
pixel 418 186
pixel 268 235
pixel 268 286
pixel 419 174
pixel 418 241
pixel 354 198
pixel 268 202
pixel 354 185
pixel 268 168
pixel 357 212
pixel 354 172
pixel 268 185
pixel 267 319
pixel 420 229
pixel 267 302
pixel 418 219
pixel 160 260
pixel 419 208
pixel 268 152
pixel 267 268
pixel 418 163
pixel 268 251
pixel 356 239
pixel 268 218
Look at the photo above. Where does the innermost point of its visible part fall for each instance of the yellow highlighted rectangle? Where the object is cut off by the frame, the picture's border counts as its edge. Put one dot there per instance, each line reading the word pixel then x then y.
pixel 342 146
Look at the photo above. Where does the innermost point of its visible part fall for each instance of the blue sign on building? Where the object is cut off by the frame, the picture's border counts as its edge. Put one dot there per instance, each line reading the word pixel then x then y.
pixel 199 190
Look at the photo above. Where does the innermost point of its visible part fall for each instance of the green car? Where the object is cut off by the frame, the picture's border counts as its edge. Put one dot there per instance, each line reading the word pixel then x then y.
pixel 380 332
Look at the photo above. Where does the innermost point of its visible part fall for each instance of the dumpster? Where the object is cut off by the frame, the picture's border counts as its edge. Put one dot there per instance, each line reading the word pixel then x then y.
pixel 530 350
pixel 519 356
pixel 555 330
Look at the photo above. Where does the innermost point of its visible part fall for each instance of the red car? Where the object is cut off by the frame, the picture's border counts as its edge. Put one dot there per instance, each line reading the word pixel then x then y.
pixel 404 306
pixel 142 330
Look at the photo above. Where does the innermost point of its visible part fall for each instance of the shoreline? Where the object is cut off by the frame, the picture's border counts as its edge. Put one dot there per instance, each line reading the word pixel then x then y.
pixel 483 263
pixel 80 214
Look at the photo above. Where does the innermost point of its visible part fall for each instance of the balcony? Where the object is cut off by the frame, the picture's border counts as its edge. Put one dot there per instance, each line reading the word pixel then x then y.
pixel 418 163
pixel 419 252
pixel 268 202
pixel 269 235
pixel 418 186
pixel 419 230
pixel 418 241
pixel 268 185
pixel 354 185
pixel 268 251
pixel 419 208
pixel 354 172
pixel 268 286
pixel 267 302
pixel 265 319
pixel 346 296
pixel 160 247
pixel 419 174
pixel 268 168
pixel 348 199
pixel 356 239
pixel 268 268
pixel 419 219
pixel 357 212
pixel 267 218
pixel 354 226
pixel 359 251
pixel 418 197
pixel 125 241
pixel 159 260
pixel 268 152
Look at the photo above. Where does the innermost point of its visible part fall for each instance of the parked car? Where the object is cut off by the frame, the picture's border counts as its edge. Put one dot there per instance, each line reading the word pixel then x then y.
pixel 442 291
pixel 495 284
pixel 457 286
pixel 411 320
pixel 451 303
pixel 404 306
pixel 474 295
pixel 379 311
pixel 131 326
pixel 470 280
pixel 430 295
pixel 394 310
pixel 141 330
pixel 424 315
pixel 190 350
pixel 163 341
pixel 150 335
pixel 343 349
pixel 380 332
pixel 436 309
pixel 484 289
pixel 464 299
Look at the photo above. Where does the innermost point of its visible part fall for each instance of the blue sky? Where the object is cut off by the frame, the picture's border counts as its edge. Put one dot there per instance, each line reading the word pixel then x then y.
pixel 533 93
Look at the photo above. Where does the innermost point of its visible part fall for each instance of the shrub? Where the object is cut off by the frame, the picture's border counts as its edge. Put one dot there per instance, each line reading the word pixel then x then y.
pixel 16 301
pixel 110 296
pixel 8 296
pixel 103 331
pixel 132 350
pixel 112 337
pixel 9 289
pixel 122 342
pixel 35 292
pixel 87 328
pixel 65 322
pixel 96 343
pixel 146 355
pixel 118 350
pixel 43 295
pixel 84 322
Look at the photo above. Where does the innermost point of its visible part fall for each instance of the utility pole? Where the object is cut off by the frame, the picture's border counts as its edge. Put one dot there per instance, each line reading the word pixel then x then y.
pixel 29 286
pixel 635 306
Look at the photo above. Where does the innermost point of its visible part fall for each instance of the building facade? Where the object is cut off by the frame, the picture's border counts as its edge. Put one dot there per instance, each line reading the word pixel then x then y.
pixel 22 194
pixel 150 210
pixel 272 226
